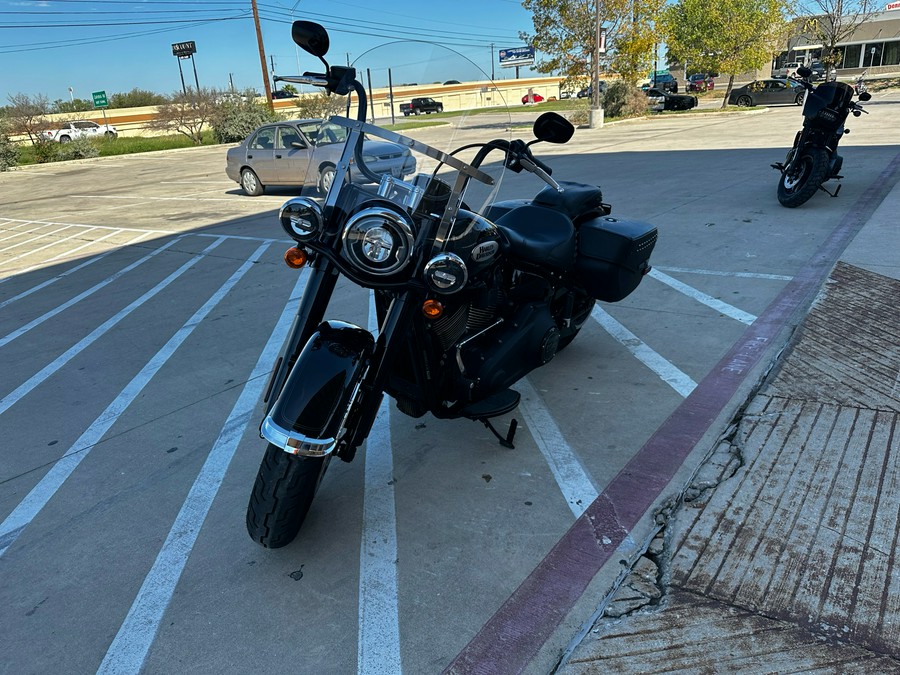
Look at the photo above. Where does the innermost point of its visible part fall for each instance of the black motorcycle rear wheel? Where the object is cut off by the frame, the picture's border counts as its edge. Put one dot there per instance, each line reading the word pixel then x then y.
pixel 283 492
pixel 803 179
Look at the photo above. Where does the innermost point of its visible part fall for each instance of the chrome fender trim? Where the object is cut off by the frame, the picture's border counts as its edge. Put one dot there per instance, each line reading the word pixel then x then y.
pixel 294 443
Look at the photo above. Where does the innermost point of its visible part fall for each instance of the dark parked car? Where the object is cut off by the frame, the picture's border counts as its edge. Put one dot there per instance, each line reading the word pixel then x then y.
pixel 767 92
pixel 818 69
pixel 588 91
pixel 281 93
pixel 664 81
pixel 701 82
pixel 305 152
pixel 662 100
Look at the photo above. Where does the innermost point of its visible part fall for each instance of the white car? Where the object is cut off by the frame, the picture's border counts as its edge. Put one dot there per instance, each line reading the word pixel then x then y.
pixel 69 131
pixel 787 69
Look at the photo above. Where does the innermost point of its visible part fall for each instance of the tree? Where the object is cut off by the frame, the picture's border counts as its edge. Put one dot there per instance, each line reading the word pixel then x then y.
pixel 27 116
pixel 237 115
pixel 8 154
pixel 565 34
pixel 136 98
pixel 321 105
pixel 187 113
pixel 73 106
pixel 727 36
pixel 828 22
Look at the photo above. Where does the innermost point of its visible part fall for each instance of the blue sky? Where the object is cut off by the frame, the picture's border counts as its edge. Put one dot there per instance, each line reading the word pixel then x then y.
pixel 47 46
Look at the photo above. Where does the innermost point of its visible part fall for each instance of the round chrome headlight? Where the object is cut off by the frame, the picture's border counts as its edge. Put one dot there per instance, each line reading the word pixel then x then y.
pixel 378 240
pixel 446 273
pixel 302 219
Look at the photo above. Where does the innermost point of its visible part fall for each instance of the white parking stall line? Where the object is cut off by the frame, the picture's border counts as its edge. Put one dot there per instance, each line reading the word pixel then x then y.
pixel 378 642
pixel 145 199
pixel 704 299
pixel 22 390
pixel 5 340
pixel 129 648
pixel 571 477
pixel 667 371
pixel 719 273
pixel 43 235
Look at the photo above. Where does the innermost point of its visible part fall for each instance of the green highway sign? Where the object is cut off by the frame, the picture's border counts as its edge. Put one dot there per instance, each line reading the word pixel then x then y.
pixel 100 99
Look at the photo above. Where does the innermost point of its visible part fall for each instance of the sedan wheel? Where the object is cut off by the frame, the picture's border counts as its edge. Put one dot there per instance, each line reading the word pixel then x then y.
pixel 800 97
pixel 326 178
pixel 250 183
pixel 744 101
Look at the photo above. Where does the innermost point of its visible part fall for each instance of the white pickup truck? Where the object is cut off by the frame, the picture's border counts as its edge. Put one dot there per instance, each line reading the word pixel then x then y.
pixel 787 69
pixel 69 131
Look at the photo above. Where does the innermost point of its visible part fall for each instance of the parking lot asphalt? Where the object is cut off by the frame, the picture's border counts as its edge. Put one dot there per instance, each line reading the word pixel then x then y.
pixel 473 529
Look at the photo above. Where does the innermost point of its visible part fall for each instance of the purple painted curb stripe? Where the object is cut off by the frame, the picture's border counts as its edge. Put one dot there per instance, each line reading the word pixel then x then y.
pixel 515 634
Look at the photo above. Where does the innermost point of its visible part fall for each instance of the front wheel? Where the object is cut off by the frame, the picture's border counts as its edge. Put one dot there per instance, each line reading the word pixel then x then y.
pixel 800 97
pixel 326 178
pixel 803 178
pixel 282 495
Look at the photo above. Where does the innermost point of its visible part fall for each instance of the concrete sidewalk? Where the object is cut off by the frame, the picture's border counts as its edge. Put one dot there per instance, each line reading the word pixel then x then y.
pixel 782 556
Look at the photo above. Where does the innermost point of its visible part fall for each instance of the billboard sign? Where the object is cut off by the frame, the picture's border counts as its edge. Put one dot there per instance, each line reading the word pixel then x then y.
pixel 893 5
pixel 517 56
pixel 184 49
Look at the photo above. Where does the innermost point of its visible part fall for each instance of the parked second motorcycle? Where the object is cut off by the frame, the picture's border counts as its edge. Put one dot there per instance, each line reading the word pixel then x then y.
pixel 470 293
pixel 813 159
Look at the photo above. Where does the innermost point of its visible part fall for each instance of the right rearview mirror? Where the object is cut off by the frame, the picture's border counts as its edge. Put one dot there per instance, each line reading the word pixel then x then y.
pixel 865 96
pixel 310 37
pixel 803 71
pixel 553 128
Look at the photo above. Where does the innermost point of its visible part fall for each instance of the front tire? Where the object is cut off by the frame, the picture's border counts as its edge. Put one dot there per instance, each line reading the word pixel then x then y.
pixel 282 495
pixel 250 183
pixel 800 98
pixel 803 180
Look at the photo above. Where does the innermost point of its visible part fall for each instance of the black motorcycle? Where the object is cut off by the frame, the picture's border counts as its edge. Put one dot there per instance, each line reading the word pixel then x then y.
pixel 468 300
pixel 813 159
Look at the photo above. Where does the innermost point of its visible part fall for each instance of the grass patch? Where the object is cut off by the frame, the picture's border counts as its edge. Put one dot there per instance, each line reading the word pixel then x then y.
pixel 416 125
pixel 124 145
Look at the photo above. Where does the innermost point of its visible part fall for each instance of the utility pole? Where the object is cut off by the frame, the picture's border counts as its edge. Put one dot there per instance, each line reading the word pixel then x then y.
pixel 262 55
pixel 492 62
pixel 595 115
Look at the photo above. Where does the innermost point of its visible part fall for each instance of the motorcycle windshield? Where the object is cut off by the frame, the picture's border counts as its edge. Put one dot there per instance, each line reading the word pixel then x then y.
pixel 430 110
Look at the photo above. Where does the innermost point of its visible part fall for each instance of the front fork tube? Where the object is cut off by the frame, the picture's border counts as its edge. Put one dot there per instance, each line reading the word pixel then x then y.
pixel 391 341
pixel 310 313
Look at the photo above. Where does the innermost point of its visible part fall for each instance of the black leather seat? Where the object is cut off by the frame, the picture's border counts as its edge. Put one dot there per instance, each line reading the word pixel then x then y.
pixel 540 236
pixel 575 200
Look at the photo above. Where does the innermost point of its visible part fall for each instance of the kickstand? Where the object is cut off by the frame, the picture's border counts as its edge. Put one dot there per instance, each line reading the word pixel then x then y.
pixel 831 194
pixel 505 442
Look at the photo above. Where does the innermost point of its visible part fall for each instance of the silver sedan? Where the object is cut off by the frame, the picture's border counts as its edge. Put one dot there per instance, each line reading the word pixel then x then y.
pixel 306 152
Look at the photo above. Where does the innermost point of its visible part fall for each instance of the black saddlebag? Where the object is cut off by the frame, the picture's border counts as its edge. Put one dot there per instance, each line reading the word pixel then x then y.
pixel 613 256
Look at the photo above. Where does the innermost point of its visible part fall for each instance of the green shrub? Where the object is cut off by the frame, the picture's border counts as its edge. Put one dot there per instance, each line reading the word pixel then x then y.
pixel 622 99
pixel 236 116
pixel 44 151
pixel 9 155
pixel 78 148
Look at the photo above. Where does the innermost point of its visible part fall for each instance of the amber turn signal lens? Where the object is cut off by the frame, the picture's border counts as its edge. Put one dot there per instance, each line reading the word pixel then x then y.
pixel 295 257
pixel 432 309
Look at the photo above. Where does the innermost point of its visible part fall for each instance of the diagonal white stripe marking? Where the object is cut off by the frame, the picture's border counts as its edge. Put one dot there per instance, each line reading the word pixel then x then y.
pixel 667 371
pixel 25 512
pixel 43 235
pixel 22 390
pixel 81 296
pixel 44 284
pixel 571 477
pixel 128 650
pixel 718 273
pixel 379 624
pixel 721 307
